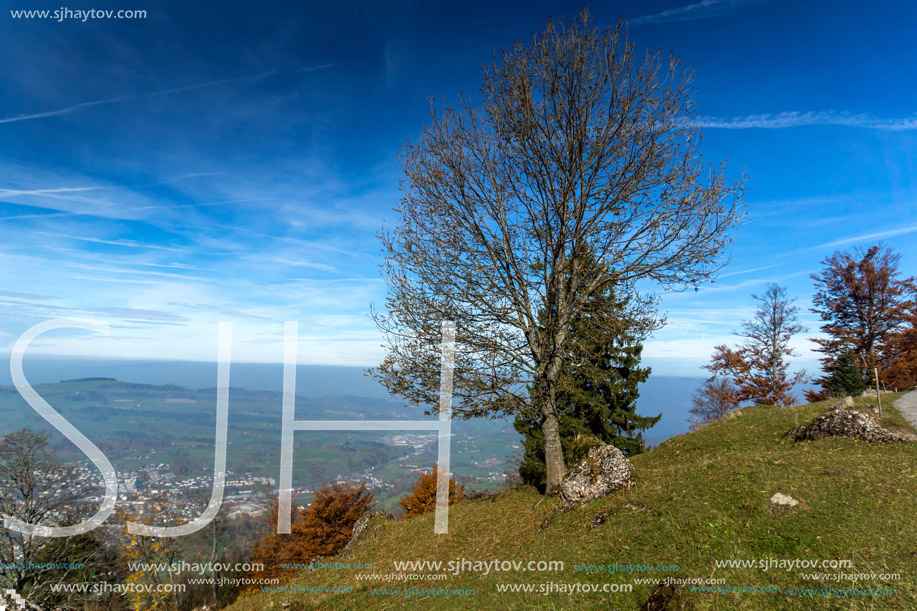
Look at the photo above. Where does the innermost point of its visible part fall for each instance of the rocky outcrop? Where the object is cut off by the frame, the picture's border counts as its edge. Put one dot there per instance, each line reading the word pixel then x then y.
pixel 840 422
pixel 360 527
pixel 604 470
pixel 10 600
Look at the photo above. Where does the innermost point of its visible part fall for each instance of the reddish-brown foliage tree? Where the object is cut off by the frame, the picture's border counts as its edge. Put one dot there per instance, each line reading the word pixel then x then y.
pixel 758 368
pixel 328 522
pixel 323 529
pixel 423 496
pixel 902 370
pixel 864 304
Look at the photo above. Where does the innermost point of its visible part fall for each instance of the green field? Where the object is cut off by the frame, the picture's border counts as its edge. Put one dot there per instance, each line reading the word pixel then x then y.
pixel 699 498
pixel 138 426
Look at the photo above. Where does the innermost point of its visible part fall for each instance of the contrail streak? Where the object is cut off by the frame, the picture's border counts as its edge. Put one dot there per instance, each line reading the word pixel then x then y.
pixel 152 94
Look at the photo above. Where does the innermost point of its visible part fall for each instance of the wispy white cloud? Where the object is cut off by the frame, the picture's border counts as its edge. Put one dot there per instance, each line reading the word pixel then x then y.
pixel 225 311
pixel 150 94
pixel 747 271
pixel 785 120
pixel 750 283
pixel 187 176
pixel 19 192
pixel 866 237
pixel 699 10
pixel 18 295
pixel 120 242
pixel 136 314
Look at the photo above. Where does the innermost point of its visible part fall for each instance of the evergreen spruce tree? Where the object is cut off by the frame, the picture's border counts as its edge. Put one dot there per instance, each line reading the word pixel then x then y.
pixel 598 388
pixel 845 378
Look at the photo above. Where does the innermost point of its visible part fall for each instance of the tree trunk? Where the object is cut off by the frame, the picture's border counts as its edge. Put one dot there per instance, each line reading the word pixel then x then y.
pixel 550 429
pixel 553 453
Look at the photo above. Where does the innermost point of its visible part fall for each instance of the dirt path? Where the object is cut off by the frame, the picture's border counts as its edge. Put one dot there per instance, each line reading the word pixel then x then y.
pixel 907 405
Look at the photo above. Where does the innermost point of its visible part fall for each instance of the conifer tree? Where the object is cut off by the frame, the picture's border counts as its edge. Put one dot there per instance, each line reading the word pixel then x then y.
pixel 845 378
pixel 598 388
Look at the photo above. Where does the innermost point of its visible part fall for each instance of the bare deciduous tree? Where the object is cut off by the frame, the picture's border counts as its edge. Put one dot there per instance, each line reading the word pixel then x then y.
pixel 759 368
pixel 716 398
pixel 581 163
pixel 36 488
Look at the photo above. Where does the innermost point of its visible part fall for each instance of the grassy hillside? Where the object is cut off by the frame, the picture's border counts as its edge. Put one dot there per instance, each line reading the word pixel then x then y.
pixel 700 498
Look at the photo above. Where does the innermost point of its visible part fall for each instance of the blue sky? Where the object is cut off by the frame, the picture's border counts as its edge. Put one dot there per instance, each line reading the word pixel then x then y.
pixel 234 161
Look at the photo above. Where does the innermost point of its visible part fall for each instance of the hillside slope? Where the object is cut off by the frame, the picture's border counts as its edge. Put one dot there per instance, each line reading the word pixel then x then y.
pixel 700 498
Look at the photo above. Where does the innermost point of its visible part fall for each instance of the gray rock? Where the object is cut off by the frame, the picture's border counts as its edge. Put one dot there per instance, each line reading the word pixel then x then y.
pixel 668 597
pixel 846 423
pixel 845 403
pixel 604 470
pixel 360 527
pixel 12 601
pixel 600 519
pixel 783 500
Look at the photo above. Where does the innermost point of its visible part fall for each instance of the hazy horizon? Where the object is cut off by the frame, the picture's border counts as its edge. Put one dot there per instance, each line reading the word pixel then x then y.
pixel 669 395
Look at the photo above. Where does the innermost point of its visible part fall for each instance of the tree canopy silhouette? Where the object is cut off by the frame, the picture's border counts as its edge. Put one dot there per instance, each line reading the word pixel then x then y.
pixel 759 369
pixel 580 161
pixel 865 305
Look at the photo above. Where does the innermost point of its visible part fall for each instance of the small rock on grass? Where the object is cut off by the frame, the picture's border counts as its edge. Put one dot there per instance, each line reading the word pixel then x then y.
pixel 668 597
pixel 783 500
pixel 845 403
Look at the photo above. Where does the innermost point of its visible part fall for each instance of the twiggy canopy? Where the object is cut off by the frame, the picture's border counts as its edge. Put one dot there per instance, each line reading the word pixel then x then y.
pixel 578 168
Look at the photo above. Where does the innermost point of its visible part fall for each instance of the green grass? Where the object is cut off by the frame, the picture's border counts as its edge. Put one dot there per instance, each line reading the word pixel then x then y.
pixel 699 498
